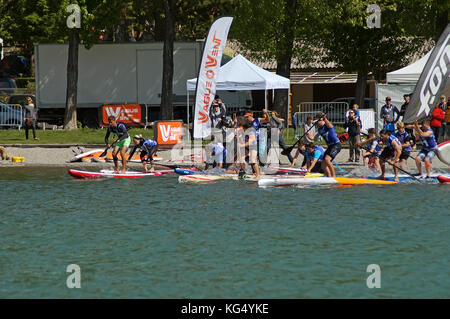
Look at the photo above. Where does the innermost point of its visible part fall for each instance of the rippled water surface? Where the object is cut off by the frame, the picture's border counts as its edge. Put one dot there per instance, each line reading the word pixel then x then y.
pixel 156 238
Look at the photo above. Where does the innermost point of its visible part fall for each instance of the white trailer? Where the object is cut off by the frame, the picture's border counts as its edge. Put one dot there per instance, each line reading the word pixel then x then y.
pixel 126 73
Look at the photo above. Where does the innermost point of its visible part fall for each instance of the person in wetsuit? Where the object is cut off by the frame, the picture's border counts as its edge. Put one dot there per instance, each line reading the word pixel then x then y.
pixel 148 148
pixel 121 144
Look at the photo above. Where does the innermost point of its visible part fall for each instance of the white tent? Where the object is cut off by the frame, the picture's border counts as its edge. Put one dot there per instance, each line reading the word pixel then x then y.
pixel 409 74
pixel 240 74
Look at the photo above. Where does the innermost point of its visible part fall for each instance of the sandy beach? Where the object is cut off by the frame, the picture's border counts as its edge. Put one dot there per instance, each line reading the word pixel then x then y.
pixel 61 156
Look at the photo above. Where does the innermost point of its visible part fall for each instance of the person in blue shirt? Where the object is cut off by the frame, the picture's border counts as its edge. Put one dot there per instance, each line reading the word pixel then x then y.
pixel 121 144
pixel 429 147
pixel 148 148
pixel 301 149
pixel 326 129
pixel 404 139
pixel 391 153
pixel 314 158
pixel 389 114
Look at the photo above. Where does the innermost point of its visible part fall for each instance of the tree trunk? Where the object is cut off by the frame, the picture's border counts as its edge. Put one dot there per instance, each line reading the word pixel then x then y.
pixel 166 112
pixel 282 96
pixel 70 114
pixel 284 58
pixel 360 92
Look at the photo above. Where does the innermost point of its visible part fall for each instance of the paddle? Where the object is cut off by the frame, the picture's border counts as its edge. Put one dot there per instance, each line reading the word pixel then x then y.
pixel 104 152
pixel 289 149
pixel 395 166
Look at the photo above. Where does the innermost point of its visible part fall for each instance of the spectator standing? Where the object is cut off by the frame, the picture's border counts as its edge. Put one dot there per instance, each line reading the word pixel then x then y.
pixel 30 117
pixel 408 127
pixel 353 126
pixel 389 114
pixel 447 119
pixel 217 115
pixel 309 129
pixel 294 123
pixel 437 117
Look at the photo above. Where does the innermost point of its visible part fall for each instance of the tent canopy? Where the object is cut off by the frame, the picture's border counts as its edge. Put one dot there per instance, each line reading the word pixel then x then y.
pixel 241 74
pixel 410 73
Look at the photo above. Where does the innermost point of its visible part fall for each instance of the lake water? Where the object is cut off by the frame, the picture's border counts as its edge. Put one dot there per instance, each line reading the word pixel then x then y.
pixel 156 238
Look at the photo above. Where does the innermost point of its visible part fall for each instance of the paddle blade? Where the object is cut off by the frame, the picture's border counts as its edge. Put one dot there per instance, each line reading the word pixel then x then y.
pixel 104 153
pixel 287 150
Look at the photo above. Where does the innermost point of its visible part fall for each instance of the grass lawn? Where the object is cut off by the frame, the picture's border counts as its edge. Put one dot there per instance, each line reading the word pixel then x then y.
pixel 80 136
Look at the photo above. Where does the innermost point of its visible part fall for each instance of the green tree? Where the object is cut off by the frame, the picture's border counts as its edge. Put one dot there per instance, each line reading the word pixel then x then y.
pixel 279 30
pixel 405 26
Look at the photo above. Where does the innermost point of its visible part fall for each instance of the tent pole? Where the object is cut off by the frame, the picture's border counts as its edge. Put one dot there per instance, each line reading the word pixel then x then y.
pixel 265 99
pixel 188 108
pixel 287 112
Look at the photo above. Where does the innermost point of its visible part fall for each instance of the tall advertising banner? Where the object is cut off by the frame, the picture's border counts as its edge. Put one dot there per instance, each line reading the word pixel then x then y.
pixel 431 81
pixel 208 74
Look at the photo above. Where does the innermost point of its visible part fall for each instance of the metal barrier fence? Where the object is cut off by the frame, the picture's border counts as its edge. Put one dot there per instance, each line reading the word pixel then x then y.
pixel 11 115
pixel 335 112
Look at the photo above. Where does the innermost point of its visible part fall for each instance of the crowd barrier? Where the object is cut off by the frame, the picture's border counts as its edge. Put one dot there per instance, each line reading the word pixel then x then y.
pixel 11 115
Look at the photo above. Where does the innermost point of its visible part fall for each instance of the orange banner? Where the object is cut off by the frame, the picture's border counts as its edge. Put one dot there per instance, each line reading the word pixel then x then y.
pixel 126 113
pixel 169 132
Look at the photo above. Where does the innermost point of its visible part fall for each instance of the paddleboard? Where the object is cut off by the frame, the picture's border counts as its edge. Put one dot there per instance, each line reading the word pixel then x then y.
pixel 290 170
pixel 444 152
pixel 443 179
pixel 109 173
pixel 204 178
pixel 406 178
pixel 83 155
pixel 182 171
pixel 282 181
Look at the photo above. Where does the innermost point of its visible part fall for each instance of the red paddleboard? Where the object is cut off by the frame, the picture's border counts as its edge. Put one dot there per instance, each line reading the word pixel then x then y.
pixel 103 174
pixel 443 179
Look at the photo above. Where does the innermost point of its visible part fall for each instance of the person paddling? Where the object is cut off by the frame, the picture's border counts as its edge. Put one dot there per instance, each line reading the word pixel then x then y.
pixel 373 152
pixel 429 147
pixel 148 148
pixel 121 144
pixel 391 153
pixel 256 124
pixel 301 149
pixel 314 158
pixel 404 139
pixel 326 129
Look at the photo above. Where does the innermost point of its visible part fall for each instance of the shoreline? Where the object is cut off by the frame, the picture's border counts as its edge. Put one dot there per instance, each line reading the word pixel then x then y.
pixel 60 156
